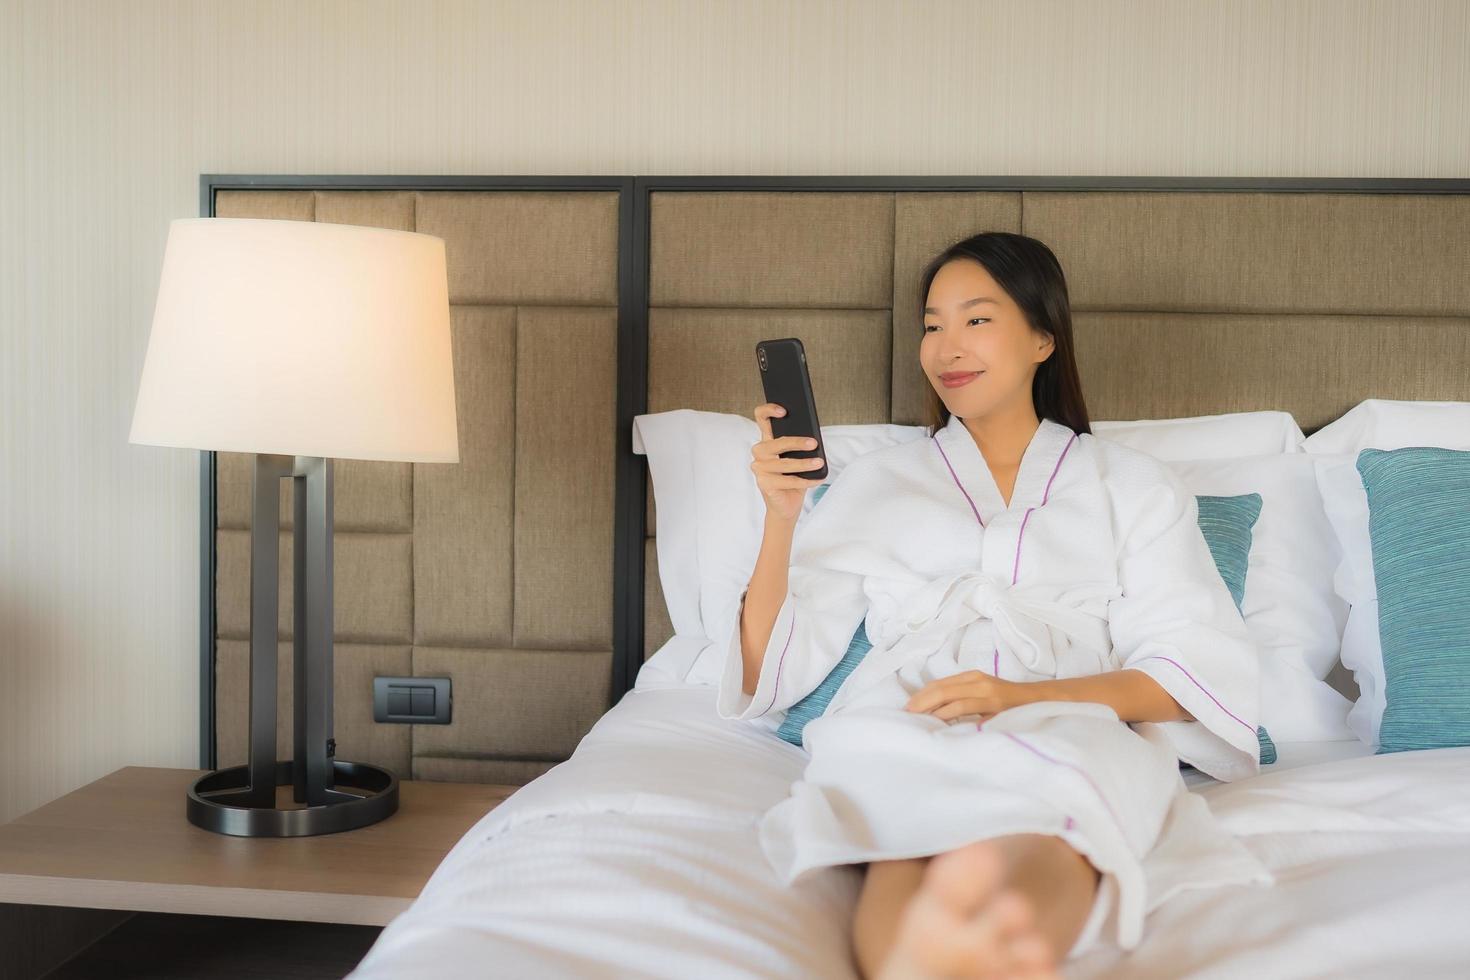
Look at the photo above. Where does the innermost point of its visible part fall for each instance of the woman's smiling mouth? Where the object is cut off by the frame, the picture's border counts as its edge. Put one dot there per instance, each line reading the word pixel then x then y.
pixel 957 379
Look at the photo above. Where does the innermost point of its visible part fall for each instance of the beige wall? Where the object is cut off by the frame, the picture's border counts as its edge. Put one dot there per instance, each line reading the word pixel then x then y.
pixel 109 112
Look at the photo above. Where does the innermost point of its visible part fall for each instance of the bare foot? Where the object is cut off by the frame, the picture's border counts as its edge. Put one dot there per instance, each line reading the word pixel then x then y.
pixel 961 923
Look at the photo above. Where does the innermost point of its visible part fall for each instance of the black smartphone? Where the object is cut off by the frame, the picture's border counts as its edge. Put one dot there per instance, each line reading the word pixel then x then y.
pixel 788 384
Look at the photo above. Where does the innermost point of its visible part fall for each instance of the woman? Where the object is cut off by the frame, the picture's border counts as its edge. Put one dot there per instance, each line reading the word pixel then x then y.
pixel 1049 638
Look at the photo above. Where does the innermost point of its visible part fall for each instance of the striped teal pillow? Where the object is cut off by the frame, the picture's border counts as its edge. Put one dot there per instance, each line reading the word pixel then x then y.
pixel 1419 524
pixel 816 702
pixel 1226 523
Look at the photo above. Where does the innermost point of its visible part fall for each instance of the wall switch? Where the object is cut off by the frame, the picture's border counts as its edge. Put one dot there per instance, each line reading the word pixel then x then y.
pixel 412 700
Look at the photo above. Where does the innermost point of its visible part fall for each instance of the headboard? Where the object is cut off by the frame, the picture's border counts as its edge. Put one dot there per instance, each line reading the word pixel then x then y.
pixel 528 573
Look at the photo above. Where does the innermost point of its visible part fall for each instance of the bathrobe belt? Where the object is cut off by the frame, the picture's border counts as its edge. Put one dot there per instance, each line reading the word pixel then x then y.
pixel 1022 617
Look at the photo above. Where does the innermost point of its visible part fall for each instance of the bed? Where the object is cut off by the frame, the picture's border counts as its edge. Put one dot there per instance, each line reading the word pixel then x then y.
pixel 638 857
pixel 630 850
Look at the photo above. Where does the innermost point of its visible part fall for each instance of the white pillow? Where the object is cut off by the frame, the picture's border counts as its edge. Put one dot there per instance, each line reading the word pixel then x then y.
pixel 1208 436
pixel 1289 604
pixel 672 442
pixel 1378 423
pixel 1371 424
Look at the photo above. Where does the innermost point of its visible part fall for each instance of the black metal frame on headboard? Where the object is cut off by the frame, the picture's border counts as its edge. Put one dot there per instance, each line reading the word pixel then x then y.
pixel 632 364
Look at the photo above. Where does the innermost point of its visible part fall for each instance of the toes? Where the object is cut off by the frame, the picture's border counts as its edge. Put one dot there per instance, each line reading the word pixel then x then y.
pixel 981 942
pixel 1012 910
pixel 966 878
pixel 963 921
pixel 931 923
pixel 1014 945
pixel 1031 956
pixel 951 915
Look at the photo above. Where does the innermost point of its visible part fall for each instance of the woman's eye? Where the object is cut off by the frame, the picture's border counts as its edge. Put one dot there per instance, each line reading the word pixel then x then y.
pixel 978 319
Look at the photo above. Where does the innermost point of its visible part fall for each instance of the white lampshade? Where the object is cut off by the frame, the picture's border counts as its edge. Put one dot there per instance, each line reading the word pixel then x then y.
pixel 300 338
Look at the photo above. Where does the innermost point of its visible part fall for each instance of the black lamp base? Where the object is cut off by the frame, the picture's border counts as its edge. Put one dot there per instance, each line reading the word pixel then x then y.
pixel 241 800
pixel 225 802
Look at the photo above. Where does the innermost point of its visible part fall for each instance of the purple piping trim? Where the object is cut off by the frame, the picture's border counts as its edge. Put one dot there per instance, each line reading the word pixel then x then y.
pixel 957 481
pixel 995 668
pixel 1073 768
pixel 1045 496
pixel 1197 684
pixel 1016 567
pixel 1070 823
pixel 781 663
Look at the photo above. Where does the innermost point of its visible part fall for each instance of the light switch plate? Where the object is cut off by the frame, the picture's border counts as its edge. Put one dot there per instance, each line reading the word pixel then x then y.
pixel 412 700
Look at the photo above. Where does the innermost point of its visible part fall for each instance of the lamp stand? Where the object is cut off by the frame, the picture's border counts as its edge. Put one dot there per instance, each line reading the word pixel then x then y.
pixel 241 800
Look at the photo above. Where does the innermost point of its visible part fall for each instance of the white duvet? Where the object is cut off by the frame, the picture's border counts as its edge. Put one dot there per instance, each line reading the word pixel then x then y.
pixel 638 857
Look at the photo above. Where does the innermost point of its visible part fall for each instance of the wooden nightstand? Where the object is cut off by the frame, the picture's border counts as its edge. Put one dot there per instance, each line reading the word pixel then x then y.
pixel 123 843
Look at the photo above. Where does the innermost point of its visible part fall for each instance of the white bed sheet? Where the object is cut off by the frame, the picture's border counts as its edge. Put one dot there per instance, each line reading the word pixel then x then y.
pixel 638 857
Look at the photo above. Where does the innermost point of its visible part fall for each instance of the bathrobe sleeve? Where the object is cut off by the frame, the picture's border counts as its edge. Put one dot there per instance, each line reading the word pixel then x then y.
pixel 823 606
pixel 1176 622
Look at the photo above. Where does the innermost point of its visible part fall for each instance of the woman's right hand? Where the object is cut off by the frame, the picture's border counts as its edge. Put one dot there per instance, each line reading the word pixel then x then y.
pixel 782 492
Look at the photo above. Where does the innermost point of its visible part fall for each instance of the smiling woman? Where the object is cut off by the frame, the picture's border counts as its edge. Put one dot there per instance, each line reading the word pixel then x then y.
pixel 1030 594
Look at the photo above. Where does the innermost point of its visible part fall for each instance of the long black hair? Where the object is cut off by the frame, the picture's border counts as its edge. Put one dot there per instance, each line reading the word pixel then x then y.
pixel 1031 275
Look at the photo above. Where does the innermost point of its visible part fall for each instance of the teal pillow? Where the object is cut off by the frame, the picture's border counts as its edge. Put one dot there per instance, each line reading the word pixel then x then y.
pixel 816 702
pixel 1226 523
pixel 1419 525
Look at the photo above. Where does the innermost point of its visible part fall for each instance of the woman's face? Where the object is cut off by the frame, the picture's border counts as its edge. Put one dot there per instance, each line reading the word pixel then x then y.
pixel 973 329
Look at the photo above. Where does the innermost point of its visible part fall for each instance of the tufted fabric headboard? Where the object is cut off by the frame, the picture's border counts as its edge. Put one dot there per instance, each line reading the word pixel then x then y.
pixel 495 571
pixel 1190 297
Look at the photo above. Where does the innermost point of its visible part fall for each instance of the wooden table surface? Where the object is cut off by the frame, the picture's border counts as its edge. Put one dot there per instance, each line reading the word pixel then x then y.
pixel 123 842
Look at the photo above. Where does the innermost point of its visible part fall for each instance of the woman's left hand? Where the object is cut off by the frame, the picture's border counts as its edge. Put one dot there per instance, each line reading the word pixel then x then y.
pixel 970 692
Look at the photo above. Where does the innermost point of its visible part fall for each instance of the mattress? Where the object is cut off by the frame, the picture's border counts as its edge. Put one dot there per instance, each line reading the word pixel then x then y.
pixel 638 857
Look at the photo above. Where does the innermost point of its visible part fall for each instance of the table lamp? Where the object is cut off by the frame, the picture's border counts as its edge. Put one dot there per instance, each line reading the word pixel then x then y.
pixel 298 342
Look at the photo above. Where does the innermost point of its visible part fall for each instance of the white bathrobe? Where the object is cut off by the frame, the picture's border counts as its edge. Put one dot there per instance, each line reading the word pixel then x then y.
pixel 1097 564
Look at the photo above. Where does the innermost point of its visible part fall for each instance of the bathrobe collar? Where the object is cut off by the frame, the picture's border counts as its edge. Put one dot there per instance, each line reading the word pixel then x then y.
pixel 1039 464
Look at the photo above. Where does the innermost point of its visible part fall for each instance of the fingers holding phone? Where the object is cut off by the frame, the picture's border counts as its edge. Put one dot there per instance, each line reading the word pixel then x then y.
pixel 790 454
pixel 776 476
